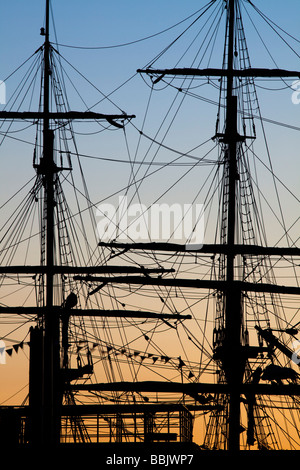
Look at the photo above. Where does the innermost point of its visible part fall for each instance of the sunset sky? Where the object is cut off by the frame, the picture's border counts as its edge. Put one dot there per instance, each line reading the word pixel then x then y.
pixel 101 45
pixel 105 24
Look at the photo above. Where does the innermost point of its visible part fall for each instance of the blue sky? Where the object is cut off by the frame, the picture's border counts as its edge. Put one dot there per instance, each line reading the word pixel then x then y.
pixel 99 23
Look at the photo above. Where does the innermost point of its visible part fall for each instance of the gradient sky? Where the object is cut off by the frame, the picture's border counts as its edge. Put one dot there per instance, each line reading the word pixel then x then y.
pixel 103 24
pixel 98 23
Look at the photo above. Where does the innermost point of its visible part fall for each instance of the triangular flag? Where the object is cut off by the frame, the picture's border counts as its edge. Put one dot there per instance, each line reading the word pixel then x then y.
pixel 181 363
pixel 9 352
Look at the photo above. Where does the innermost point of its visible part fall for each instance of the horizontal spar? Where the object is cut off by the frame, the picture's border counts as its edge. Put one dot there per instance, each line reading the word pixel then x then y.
pixel 207 248
pixel 100 409
pixel 251 72
pixel 94 313
pixel 189 388
pixel 68 115
pixel 193 283
pixel 82 269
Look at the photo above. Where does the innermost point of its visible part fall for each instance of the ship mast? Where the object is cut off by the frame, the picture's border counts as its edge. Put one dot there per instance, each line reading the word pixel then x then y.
pixel 232 344
pixel 47 384
pixel 51 393
pixel 231 353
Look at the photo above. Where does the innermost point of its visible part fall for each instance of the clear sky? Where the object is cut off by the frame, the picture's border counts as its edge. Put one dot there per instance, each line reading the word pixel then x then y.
pixel 104 24
pixel 101 23
pixel 98 23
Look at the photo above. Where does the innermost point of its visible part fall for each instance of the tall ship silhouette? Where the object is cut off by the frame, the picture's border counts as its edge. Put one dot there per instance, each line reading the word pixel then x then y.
pixel 171 322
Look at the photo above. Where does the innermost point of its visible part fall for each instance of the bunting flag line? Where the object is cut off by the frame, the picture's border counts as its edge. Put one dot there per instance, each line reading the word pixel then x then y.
pixel 16 347
pixel 109 350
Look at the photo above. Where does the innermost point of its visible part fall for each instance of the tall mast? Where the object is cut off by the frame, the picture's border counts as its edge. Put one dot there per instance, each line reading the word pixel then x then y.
pixel 230 352
pixel 51 333
pixel 232 346
pixel 46 383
